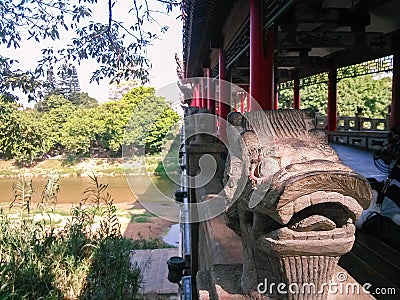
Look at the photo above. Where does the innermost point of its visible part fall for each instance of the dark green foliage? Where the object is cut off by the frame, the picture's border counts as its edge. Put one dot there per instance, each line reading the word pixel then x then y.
pixel 56 100
pixel 106 268
pixel 76 261
pixel 373 95
pixel 21 137
pixel 142 243
pixel 83 99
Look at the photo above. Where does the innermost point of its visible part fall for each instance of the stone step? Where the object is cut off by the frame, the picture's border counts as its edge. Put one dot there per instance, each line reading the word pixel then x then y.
pixel 154 270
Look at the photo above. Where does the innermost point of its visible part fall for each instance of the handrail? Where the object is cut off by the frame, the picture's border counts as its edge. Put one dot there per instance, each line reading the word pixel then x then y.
pixel 345 123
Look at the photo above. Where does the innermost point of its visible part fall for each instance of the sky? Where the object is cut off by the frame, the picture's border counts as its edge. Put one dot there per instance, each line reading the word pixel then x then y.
pixel 161 53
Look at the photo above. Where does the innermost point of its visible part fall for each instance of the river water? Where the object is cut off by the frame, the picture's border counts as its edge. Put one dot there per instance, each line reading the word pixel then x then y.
pixel 154 193
pixel 71 188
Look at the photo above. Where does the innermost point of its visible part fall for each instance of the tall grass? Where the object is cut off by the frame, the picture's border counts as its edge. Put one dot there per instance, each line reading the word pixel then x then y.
pixel 85 259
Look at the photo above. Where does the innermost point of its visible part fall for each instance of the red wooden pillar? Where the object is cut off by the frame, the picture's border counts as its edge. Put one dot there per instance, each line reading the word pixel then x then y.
pixel 203 92
pixel 194 98
pixel 332 99
pixel 210 101
pixel 224 96
pixel 247 98
pixel 296 92
pixel 242 98
pixel 395 107
pixel 210 92
pixel 248 102
pixel 199 99
pixel 195 101
pixel 261 67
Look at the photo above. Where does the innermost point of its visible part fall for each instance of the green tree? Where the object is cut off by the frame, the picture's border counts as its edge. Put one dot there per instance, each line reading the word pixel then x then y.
pixel 139 118
pixel 57 100
pixel 83 99
pixel 159 129
pixel 21 136
pixel 51 102
pixel 80 131
pixel 148 125
pixel 313 96
pixel 373 95
pixel 116 115
pixel 58 111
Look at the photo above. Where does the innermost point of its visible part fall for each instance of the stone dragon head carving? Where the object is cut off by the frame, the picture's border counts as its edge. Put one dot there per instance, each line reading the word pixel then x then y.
pixel 298 201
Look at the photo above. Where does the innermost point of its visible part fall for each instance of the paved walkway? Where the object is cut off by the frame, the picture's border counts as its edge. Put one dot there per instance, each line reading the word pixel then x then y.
pixel 153 265
pixel 361 161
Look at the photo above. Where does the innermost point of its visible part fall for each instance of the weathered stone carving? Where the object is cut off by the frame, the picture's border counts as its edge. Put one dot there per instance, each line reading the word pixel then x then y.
pixel 295 214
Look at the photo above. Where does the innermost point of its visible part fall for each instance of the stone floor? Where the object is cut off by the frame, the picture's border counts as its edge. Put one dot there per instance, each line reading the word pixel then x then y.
pixel 361 161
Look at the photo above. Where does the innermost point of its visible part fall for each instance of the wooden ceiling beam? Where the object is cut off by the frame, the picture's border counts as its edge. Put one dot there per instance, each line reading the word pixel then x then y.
pixel 337 16
pixel 284 75
pixel 301 39
pixel 297 61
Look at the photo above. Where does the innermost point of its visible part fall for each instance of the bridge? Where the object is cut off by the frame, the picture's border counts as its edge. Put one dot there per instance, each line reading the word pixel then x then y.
pixel 250 50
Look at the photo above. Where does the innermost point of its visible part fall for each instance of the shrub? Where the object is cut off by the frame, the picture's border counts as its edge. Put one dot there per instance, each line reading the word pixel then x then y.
pixel 77 261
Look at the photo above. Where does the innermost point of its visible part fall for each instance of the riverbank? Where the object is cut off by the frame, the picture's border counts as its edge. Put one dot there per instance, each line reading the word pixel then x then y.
pixel 76 167
pixel 134 219
pixel 136 222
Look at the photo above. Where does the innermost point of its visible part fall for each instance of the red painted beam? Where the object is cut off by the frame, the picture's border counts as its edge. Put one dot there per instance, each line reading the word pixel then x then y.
pixel 332 99
pixel 261 67
pixel 296 92
pixel 395 107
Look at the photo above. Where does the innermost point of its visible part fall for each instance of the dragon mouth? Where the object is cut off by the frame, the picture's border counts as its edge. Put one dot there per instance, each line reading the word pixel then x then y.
pixel 318 203
pixel 287 242
pixel 317 224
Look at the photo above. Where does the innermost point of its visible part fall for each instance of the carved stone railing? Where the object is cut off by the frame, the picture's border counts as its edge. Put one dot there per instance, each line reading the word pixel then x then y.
pixel 356 131
pixel 355 123
pixel 295 210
